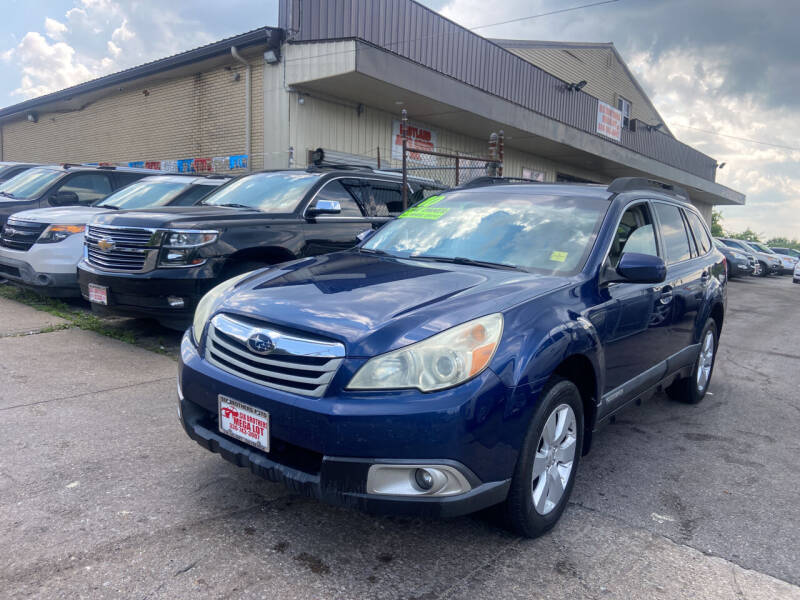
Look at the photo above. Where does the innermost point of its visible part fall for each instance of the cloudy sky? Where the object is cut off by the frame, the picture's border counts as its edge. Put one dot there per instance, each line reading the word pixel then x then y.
pixel 725 74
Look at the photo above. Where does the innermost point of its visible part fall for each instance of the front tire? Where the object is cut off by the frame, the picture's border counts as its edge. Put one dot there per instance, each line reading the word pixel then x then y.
pixel 693 389
pixel 546 467
pixel 764 271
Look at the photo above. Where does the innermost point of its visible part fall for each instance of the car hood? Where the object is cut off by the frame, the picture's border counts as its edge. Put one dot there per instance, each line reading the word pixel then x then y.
pixel 9 206
pixel 67 215
pixel 186 217
pixel 376 304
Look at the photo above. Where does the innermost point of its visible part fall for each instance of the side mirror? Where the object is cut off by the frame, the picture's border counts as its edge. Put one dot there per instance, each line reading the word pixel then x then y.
pixel 64 199
pixel 640 268
pixel 325 207
pixel 365 235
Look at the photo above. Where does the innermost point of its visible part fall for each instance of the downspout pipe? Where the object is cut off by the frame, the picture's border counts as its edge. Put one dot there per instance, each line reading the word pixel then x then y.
pixel 247 106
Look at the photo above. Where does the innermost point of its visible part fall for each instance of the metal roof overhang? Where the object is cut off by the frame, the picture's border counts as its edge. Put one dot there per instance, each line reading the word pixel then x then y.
pixel 382 79
pixel 186 63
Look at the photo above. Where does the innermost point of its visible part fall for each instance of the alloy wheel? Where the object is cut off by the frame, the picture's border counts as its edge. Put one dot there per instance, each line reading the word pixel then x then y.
pixel 555 456
pixel 705 361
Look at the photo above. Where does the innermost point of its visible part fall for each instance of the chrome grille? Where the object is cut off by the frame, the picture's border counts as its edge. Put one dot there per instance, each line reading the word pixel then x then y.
pixel 21 235
pixel 129 251
pixel 301 365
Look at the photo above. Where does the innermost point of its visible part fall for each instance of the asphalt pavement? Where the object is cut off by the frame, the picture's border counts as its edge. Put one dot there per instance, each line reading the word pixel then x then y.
pixel 102 495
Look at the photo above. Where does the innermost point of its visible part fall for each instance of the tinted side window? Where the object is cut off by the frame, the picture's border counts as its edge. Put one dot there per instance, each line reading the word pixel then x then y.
pixel 192 195
pixel 124 178
pixel 700 232
pixel 90 187
pixel 384 198
pixel 673 232
pixel 334 190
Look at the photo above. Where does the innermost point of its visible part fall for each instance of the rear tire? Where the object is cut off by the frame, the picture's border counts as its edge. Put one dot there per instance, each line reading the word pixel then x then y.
pixel 692 389
pixel 546 467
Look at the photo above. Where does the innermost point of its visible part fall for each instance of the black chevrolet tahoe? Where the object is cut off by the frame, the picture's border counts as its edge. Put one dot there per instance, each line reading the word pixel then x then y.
pixel 64 185
pixel 160 263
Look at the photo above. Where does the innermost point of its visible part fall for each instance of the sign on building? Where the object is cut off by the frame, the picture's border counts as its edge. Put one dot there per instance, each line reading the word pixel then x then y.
pixel 532 174
pixel 420 137
pixel 609 121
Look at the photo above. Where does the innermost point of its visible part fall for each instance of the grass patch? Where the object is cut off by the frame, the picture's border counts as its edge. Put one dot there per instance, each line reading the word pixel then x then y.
pixel 76 317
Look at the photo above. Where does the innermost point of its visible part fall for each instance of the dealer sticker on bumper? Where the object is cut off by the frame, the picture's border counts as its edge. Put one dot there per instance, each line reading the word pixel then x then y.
pixel 98 294
pixel 244 422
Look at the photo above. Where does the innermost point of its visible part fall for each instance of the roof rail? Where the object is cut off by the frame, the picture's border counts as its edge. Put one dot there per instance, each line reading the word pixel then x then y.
pixel 489 180
pixel 70 165
pixel 107 167
pixel 627 184
pixel 217 176
pixel 338 167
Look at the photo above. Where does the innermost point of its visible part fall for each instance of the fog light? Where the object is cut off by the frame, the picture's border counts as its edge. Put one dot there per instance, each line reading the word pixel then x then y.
pixel 175 302
pixel 398 479
pixel 424 479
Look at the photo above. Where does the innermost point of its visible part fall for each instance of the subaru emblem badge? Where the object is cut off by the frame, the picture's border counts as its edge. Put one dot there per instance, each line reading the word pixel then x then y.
pixel 260 343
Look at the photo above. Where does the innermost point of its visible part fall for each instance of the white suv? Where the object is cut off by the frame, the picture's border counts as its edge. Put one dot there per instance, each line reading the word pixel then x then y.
pixel 41 248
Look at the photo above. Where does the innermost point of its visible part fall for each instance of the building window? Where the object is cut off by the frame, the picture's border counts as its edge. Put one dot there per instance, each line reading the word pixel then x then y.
pixel 624 107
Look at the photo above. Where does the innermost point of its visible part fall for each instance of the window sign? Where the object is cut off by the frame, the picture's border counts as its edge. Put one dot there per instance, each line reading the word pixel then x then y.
pixel 609 121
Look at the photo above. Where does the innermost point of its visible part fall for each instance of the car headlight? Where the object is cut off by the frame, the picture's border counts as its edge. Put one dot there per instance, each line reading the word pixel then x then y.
pixel 208 303
pixel 180 247
pixel 441 361
pixel 189 238
pixel 58 233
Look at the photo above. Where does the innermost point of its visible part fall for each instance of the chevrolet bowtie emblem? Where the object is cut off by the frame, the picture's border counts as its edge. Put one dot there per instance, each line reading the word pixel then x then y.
pixel 105 245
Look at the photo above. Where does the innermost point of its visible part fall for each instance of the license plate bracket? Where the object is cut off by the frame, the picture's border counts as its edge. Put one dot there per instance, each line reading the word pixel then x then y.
pixel 98 294
pixel 244 422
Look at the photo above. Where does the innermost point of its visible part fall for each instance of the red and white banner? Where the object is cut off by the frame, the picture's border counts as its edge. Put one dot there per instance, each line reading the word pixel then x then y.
pixel 609 121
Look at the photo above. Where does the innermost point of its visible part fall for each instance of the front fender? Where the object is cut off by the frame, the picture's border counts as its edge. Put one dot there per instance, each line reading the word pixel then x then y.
pixel 537 341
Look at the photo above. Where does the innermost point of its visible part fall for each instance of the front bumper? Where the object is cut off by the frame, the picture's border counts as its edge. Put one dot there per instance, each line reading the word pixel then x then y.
pixel 21 272
pixel 323 447
pixel 146 294
pixel 739 266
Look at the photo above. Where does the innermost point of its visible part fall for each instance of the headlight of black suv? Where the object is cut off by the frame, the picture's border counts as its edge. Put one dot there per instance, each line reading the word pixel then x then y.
pixel 180 247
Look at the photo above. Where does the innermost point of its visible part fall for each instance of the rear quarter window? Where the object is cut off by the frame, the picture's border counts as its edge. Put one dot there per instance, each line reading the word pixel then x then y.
pixel 673 232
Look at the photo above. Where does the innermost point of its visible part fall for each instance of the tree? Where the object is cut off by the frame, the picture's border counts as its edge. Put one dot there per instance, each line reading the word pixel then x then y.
pixel 716 224
pixel 782 242
pixel 748 235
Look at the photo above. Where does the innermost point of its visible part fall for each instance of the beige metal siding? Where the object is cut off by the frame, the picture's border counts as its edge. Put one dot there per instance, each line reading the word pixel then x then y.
pixel 605 77
pixel 200 115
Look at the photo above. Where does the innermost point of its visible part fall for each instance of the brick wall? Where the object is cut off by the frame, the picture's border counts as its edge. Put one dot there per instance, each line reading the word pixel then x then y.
pixel 194 115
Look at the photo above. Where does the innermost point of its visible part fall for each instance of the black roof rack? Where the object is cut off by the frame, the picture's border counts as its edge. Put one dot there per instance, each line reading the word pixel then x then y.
pixel 338 167
pixel 489 180
pixel 217 176
pixel 108 167
pixel 627 184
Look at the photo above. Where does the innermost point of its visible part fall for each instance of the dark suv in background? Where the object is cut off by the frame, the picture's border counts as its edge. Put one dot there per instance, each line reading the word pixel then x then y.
pixel 63 185
pixel 160 263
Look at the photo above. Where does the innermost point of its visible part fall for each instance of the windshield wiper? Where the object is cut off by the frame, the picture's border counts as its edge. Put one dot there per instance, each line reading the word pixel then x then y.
pixel 233 205
pixel 460 260
pixel 7 194
pixel 374 251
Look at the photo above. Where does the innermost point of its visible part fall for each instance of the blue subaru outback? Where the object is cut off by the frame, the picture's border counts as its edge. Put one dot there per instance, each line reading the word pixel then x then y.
pixel 463 355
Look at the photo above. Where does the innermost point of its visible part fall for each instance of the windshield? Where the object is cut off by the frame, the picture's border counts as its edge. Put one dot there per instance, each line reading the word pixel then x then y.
pixel 30 183
pixel 736 245
pixel 278 192
pixel 144 194
pixel 761 248
pixel 543 233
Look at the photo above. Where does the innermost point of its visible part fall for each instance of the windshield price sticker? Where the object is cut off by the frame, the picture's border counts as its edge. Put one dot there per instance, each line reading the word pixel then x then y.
pixel 426 210
pixel 558 256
